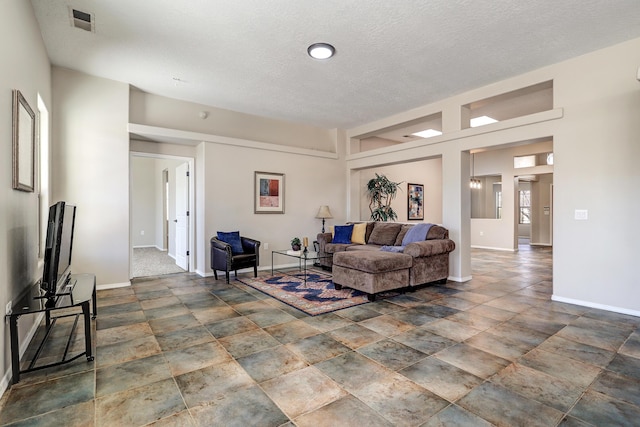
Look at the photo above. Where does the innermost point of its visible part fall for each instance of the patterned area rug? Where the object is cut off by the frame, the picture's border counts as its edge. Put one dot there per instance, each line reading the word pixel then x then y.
pixel 318 296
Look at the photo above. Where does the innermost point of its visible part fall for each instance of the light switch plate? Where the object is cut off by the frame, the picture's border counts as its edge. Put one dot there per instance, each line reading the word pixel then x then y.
pixel 581 214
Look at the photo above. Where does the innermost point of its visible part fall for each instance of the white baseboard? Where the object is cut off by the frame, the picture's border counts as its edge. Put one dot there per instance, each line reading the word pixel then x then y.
pixel 459 279
pixel 492 248
pixel 596 305
pixel 113 285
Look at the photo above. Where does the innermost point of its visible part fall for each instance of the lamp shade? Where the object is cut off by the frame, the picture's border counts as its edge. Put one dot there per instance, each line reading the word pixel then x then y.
pixel 324 212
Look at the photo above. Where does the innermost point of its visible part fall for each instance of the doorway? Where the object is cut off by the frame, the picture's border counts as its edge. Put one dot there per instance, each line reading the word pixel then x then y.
pixel 161 230
pixel 534 210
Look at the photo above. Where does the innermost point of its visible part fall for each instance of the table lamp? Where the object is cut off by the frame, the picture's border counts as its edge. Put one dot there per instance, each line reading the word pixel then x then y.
pixel 324 213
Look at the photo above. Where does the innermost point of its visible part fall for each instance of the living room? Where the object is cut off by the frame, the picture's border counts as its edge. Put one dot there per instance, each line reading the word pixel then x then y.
pixel 96 123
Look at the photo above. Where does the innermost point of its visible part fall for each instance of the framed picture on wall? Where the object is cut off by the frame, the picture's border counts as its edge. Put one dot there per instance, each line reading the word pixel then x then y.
pixel 415 201
pixel 24 143
pixel 268 193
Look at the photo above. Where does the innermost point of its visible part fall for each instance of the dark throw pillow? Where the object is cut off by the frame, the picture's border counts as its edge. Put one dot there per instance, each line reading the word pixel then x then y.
pixel 342 233
pixel 232 238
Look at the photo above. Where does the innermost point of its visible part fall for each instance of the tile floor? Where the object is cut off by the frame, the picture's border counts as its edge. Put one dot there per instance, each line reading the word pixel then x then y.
pixel 183 350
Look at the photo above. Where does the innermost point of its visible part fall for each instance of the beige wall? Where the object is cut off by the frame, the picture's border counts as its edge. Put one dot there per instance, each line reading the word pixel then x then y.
pixel 24 67
pixel 425 172
pixel 144 195
pixel 155 110
pixel 91 170
pixel 228 190
pixel 595 129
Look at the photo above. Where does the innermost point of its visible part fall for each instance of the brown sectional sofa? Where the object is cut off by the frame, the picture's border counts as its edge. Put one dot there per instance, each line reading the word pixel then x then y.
pixel 367 268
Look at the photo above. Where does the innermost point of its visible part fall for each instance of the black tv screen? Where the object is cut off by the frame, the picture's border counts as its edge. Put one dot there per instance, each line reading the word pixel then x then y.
pixel 57 253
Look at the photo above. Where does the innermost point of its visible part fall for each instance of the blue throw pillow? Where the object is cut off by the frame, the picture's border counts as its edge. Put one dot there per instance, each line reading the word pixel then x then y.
pixel 342 233
pixel 232 238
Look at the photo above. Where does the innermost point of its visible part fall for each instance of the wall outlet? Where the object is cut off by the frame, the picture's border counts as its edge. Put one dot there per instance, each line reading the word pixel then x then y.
pixel 266 246
pixel 481 233
pixel 9 305
pixel 142 232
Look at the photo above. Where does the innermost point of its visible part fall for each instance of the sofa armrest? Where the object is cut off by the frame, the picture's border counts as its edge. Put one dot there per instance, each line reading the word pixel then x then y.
pixel 323 239
pixel 428 248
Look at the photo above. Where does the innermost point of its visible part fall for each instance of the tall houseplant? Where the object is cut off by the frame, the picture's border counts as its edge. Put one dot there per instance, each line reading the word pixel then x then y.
pixel 380 191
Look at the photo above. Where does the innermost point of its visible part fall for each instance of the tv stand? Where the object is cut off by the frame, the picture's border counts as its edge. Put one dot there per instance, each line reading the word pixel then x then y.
pixel 81 294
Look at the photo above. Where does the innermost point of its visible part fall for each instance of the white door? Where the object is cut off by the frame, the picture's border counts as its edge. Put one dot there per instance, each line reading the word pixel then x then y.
pixel 182 216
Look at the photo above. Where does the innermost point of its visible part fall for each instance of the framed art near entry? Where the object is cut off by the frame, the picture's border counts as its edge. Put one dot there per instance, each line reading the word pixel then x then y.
pixel 24 143
pixel 268 193
pixel 415 201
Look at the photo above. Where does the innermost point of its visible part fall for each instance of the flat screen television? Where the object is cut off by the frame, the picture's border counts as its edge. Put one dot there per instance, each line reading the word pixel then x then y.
pixel 57 253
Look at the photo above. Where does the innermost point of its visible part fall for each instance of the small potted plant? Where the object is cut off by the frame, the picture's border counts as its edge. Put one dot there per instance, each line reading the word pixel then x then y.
pixel 295 244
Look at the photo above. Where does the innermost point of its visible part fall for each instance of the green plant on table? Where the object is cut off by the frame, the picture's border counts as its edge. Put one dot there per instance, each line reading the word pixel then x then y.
pixel 295 244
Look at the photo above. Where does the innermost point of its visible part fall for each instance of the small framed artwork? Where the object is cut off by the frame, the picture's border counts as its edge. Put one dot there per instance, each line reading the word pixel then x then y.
pixel 415 201
pixel 268 193
pixel 24 143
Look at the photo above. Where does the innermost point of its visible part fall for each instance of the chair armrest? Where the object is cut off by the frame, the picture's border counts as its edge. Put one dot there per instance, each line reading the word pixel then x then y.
pixel 219 245
pixel 220 254
pixel 250 246
pixel 426 248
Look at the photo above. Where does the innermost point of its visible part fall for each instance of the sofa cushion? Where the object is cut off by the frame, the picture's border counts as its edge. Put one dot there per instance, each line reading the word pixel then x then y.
pixel 373 261
pixel 232 238
pixel 363 247
pixel 384 233
pixel 367 234
pixel 359 232
pixel 342 234
pixel 417 233
pixel 403 231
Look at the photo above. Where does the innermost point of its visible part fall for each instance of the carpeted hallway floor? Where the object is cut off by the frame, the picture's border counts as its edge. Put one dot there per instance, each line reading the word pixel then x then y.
pixel 153 262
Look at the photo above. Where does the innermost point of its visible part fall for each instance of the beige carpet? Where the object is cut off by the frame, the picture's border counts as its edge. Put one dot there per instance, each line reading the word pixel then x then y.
pixel 153 262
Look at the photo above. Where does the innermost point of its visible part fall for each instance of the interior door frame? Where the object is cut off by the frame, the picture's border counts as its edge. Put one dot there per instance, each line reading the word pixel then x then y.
pixel 192 210
pixel 182 215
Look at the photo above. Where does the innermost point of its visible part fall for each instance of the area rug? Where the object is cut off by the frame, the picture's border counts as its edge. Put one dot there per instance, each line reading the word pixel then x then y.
pixel 317 296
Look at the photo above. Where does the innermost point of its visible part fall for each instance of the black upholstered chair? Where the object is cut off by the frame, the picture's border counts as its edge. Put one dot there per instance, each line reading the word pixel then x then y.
pixel 223 259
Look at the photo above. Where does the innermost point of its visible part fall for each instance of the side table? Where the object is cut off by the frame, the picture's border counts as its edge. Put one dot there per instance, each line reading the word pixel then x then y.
pixel 79 292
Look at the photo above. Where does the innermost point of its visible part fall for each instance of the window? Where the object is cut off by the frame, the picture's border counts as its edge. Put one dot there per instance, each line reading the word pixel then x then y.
pixel 498 204
pixel 525 207
pixel 524 161
pixel 43 173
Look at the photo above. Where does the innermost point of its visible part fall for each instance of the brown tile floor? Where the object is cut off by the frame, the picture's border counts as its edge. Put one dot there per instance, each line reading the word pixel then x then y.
pixel 182 350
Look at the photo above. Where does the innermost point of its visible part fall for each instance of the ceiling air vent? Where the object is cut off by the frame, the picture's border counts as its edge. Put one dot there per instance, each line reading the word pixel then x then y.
pixel 82 20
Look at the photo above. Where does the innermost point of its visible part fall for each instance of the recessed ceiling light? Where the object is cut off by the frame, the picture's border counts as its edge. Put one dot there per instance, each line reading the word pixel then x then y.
pixel 427 133
pixel 481 121
pixel 321 51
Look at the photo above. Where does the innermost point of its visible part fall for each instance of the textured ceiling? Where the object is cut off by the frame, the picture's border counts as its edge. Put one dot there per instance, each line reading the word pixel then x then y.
pixel 250 55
